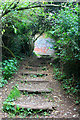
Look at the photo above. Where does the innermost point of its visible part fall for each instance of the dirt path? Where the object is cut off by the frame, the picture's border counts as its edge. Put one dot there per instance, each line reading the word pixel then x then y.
pixel 43 91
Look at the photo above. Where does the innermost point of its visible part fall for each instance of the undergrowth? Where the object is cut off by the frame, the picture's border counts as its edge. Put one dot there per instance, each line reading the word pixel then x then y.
pixel 13 110
pixel 7 69
pixel 68 83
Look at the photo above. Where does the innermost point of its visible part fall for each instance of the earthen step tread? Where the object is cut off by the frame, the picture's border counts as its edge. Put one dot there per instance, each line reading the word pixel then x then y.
pixel 35 90
pixel 34 73
pixel 34 87
pixel 36 81
pixel 34 101
pixel 40 79
pixel 35 65
pixel 43 105
pixel 32 68
pixel 44 79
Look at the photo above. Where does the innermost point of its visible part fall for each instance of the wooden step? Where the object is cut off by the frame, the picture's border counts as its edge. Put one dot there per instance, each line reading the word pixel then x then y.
pixel 41 80
pixel 34 80
pixel 35 91
pixel 44 57
pixel 34 102
pixel 33 106
pixel 33 74
pixel 43 106
pixel 36 65
pixel 33 68
pixel 35 87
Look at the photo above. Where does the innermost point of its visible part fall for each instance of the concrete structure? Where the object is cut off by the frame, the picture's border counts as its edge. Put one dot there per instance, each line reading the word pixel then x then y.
pixel 43 45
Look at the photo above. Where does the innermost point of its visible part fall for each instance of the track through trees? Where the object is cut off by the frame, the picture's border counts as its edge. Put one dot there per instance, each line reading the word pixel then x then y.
pixel 40 93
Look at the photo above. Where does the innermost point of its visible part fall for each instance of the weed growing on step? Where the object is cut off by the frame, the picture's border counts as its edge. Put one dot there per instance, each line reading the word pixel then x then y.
pixel 37 75
pixel 46 96
pixel 8 103
pixel 22 81
pixel 46 114
pixel 44 68
pixel 41 75
pixel 32 75
pixel 13 110
pixel 14 94
pixel 50 89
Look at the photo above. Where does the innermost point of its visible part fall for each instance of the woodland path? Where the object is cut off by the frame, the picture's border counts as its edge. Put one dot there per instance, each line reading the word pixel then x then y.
pixel 35 78
pixel 43 91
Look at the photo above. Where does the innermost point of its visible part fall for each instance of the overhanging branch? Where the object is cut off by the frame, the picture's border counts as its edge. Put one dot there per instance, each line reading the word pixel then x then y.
pixel 13 8
pixel 8 50
pixel 29 7
pixel 38 36
pixel 47 5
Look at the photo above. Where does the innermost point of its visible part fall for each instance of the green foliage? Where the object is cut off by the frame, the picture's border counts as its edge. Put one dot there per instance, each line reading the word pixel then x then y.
pixel 65 33
pixel 7 104
pixel 37 75
pixel 32 75
pixel 67 48
pixel 9 67
pixel 3 82
pixel 41 75
pixel 69 84
pixel 18 42
pixel 18 31
pixel 10 107
pixel 15 93
pixel 20 27
pixel 44 68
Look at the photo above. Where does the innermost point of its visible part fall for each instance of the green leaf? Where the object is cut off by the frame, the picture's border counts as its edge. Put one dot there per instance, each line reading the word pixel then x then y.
pixel 77 102
pixel 7 107
pixel 59 41
pixel 18 107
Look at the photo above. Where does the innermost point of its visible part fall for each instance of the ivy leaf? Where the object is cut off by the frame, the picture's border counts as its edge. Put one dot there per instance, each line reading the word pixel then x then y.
pixel 18 107
pixel 7 107
pixel 59 41
pixel 15 30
